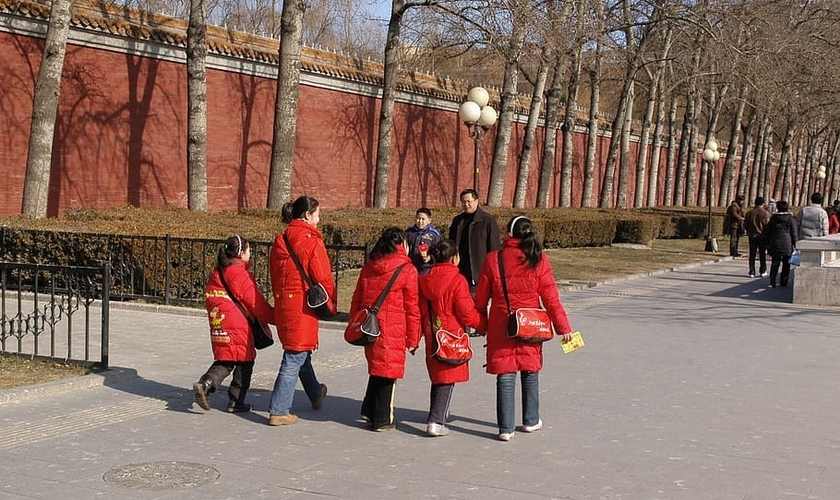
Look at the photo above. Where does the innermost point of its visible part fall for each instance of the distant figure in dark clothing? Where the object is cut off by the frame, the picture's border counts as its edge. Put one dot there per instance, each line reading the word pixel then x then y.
pixel 475 233
pixel 754 223
pixel 780 235
pixel 735 224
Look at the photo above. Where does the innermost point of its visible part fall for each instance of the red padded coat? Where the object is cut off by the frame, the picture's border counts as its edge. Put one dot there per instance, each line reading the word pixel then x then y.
pixel 453 306
pixel 399 317
pixel 230 334
pixel 297 325
pixel 526 287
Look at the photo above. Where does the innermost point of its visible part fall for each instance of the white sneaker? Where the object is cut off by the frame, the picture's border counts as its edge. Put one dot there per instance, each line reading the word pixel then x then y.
pixel 765 273
pixel 532 428
pixel 436 430
pixel 505 436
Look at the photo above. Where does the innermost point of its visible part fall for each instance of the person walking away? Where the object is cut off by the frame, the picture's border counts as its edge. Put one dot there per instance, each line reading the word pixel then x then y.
pixel 812 219
pixel 780 234
pixel 735 224
pixel 297 325
pixel 530 281
pixel 475 233
pixel 399 320
pixel 771 206
pixel 445 303
pixel 421 236
pixel 230 333
pixel 754 222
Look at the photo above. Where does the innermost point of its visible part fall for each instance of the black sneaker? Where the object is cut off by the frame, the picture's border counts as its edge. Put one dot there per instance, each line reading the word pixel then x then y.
pixel 235 408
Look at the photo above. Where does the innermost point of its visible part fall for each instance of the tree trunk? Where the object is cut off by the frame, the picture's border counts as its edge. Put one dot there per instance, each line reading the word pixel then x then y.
pixel 691 159
pixel 569 123
pixel 682 158
pixel 531 131
pixel 744 178
pixel 767 161
pixel 670 167
pixel 552 106
pixel 197 114
pixel 36 185
pixel 506 115
pixel 644 139
pixel 386 112
pixel 286 104
pixel 656 147
pixel 783 176
pixel 592 138
pixel 728 177
pixel 624 161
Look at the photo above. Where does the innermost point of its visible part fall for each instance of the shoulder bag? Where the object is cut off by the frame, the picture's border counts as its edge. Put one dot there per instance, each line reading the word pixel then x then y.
pixel 449 348
pixel 317 298
pixel 363 326
pixel 527 324
pixel 259 330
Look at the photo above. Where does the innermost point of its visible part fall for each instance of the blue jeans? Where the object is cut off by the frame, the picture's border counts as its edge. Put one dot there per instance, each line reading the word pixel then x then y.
pixel 294 365
pixel 506 400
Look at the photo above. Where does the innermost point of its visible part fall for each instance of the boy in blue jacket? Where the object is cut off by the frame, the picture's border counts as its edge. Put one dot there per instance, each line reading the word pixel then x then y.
pixel 421 236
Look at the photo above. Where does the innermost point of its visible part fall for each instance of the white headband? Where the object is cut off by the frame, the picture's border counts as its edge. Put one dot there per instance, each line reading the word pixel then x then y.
pixel 239 248
pixel 513 224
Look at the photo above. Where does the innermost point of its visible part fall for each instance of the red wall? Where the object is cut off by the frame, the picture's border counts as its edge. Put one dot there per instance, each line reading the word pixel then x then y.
pixel 121 140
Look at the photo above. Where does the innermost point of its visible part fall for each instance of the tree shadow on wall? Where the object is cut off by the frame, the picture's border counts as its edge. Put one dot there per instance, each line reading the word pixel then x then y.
pixel 360 132
pixel 250 88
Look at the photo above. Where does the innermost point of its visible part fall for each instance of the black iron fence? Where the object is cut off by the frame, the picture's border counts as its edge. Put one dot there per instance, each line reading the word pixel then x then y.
pixel 56 312
pixel 157 269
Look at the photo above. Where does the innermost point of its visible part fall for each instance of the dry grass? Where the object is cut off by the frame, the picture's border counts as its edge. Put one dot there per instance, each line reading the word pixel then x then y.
pixel 19 371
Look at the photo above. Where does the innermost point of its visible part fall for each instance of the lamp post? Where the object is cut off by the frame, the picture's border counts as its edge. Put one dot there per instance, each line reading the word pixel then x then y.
pixel 710 157
pixel 820 177
pixel 478 117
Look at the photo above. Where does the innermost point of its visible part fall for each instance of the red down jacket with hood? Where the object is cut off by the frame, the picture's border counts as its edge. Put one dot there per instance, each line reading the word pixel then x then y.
pixel 453 306
pixel 230 334
pixel 297 325
pixel 526 287
pixel 399 317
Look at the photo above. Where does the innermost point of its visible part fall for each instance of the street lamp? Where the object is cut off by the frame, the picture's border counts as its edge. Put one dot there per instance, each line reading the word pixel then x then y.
pixel 710 157
pixel 820 177
pixel 478 117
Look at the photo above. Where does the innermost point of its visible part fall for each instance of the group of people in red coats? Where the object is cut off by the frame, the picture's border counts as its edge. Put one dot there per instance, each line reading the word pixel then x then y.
pixel 416 305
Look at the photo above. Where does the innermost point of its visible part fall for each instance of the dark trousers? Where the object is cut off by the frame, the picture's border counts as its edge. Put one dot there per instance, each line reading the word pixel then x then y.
pixel 758 248
pixel 734 237
pixel 440 398
pixel 784 260
pixel 378 405
pixel 239 384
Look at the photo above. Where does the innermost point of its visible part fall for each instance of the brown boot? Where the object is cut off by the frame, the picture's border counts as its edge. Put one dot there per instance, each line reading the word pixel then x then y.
pixel 282 419
pixel 202 390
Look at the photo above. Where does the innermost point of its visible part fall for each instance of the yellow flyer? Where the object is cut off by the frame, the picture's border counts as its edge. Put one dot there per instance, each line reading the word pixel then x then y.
pixel 575 343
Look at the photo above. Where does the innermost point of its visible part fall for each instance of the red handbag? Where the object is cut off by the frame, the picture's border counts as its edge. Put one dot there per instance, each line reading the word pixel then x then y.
pixel 527 324
pixel 449 348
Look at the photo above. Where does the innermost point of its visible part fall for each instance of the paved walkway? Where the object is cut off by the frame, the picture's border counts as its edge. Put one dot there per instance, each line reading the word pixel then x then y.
pixel 695 384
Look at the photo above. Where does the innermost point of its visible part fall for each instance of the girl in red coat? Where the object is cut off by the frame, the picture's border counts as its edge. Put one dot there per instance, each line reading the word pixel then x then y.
pixel 297 325
pixel 446 290
pixel 399 320
pixel 529 280
pixel 230 333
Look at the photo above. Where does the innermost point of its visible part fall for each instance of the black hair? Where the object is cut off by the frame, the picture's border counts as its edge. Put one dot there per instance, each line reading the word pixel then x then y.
pixel 520 227
pixel 299 208
pixel 387 243
pixel 233 246
pixel 443 250
pixel 423 210
pixel 816 198
pixel 759 200
pixel 782 206
pixel 470 192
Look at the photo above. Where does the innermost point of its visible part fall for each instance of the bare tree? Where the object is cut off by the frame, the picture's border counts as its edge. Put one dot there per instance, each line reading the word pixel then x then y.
pixel 197 113
pixel 44 111
pixel 286 104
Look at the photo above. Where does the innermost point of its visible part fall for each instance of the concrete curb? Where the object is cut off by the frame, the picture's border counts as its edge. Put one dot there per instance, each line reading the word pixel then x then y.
pixel 62 386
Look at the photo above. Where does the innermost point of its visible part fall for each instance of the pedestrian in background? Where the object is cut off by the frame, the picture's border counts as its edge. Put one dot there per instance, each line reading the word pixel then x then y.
pixel 812 219
pixel 754 222
pixel 834 218
pixel 475 233
pixel 780 235
pixel 445 303
pixel 530 282
pixel 735 224
pixel 297 325
pixel 399 321
pixel 421 236
pixel 230 332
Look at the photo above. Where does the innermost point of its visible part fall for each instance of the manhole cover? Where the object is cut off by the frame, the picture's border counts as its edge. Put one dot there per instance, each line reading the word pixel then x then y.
pixel 161 475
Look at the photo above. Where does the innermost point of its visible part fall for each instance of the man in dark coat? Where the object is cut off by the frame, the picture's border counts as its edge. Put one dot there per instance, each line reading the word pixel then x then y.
pixel 735 224
pixel 754 223
pixel 780 234
pixel 475 233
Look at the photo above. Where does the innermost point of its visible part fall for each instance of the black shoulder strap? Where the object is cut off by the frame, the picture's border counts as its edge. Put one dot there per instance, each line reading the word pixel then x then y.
pixel 294 257
pixel 232 298
pixel 502 279
pixel 381 299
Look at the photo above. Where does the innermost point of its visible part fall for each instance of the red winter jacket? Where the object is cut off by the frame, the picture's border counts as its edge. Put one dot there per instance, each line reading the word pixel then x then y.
pixel 230 334
pixel 447 290
pixel 526 287
pixel 399 316
pixel 297 325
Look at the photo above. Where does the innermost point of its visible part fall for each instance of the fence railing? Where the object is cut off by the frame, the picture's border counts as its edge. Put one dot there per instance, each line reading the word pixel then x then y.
pixel 51 311
pixel 157 269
